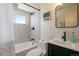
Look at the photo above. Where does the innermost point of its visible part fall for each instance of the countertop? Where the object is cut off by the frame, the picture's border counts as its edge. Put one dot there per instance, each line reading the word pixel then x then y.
pixel 65 44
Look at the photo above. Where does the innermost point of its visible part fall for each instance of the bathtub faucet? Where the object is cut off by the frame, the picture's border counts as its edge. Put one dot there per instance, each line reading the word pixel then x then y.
pixel 32 39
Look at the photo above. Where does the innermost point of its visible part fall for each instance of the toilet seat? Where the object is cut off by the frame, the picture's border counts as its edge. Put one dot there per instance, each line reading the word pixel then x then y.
pixel 35 52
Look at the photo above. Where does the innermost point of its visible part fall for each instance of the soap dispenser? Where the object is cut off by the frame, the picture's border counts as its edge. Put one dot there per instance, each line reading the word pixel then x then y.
pixel 73 38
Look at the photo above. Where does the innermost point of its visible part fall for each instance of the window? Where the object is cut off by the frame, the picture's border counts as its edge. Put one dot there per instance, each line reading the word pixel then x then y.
pixel 20 18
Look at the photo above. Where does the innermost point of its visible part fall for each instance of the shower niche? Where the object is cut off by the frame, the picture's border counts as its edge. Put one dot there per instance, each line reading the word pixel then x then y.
pixel 66 15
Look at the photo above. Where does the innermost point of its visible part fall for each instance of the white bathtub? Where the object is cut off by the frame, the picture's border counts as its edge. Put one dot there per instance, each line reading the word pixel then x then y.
pixel 23 48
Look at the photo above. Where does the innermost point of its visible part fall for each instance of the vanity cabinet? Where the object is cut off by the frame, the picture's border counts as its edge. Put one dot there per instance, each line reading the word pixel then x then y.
pixel 55 50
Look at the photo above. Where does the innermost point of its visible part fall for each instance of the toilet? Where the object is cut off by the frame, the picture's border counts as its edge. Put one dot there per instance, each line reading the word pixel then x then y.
pixel 39 51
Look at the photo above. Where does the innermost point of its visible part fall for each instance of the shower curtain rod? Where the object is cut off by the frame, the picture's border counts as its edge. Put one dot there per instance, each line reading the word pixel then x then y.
pixel 31 6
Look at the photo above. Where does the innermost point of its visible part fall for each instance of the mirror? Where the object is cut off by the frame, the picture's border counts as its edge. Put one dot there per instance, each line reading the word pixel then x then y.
pixel 66 15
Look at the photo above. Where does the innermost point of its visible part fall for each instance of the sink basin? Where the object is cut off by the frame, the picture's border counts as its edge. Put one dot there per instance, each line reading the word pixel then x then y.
pixel 61 42
pixel 58 41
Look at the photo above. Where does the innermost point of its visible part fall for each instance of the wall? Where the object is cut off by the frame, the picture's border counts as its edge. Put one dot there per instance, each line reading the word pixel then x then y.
pixel 35 22
pixel 48 29
pixel 24 33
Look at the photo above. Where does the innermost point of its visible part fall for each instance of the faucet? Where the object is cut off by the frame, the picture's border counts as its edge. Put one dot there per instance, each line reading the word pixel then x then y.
pixel 32 39
pixel 64 36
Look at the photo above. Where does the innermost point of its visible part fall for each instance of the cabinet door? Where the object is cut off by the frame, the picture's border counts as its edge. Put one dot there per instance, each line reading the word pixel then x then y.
pixel 60 51
pixel 54 50
pixel 49 51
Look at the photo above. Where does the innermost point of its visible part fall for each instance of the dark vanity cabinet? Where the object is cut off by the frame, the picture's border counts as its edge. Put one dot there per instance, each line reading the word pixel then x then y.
pixel 54 50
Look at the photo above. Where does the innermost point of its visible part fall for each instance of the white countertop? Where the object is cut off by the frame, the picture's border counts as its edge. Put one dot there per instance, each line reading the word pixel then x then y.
pixel 66 44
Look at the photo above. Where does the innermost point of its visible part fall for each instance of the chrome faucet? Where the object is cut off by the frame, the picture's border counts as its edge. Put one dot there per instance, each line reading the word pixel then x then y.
pixel 64 36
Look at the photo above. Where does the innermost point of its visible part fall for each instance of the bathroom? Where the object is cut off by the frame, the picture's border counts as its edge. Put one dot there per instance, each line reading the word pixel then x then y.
pixel 39 32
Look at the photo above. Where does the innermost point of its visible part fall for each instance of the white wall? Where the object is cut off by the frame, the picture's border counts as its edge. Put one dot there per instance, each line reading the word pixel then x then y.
pixel 48 29
pixel 35 22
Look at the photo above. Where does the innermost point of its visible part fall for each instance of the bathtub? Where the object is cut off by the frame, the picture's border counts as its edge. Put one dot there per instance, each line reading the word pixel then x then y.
pixel 23 48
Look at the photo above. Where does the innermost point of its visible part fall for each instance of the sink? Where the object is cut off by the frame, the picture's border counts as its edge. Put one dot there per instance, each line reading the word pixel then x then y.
pixel 58 41
pixel 61 42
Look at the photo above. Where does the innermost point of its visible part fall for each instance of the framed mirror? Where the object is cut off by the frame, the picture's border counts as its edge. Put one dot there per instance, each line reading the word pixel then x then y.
pixel 66 15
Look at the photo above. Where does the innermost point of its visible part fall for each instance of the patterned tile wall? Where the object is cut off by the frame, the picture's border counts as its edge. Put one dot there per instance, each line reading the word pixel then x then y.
pixel 21 32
